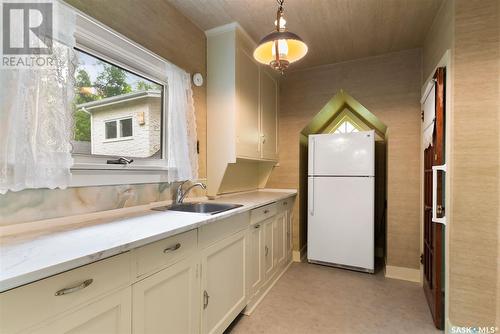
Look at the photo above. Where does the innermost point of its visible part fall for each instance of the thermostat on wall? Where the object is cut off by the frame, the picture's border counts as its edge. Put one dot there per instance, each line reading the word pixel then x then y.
pixel 198 79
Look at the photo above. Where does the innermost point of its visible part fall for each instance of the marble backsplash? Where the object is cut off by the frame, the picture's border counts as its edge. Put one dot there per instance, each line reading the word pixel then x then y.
pixel 37 204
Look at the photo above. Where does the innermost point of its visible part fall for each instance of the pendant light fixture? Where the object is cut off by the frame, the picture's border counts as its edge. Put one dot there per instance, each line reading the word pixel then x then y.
pixel 280 48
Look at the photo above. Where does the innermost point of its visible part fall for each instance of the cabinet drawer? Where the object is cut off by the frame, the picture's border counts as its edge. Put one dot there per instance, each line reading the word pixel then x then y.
pixel 29 305
pixel 160 254
pixel 285 204
pixel 218 230
pixel 262 213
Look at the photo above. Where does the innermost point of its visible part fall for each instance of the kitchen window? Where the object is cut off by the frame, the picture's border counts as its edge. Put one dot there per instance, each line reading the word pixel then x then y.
pixel 120 108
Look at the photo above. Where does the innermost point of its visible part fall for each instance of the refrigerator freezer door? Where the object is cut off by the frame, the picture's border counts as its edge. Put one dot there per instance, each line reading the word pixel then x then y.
pixel 340 221
pixel 350 154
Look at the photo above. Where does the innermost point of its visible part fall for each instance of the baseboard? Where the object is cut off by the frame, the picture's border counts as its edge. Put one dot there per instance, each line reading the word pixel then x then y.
pixel 251 306
pixel 403 273
pixel 300 255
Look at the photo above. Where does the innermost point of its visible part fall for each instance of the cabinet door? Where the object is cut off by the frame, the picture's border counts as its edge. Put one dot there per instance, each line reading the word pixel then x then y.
pixel 256 258
pixel 168 301
pixel 289 235
pixel 223 282
pixel 110 315
pixel 247 113
pixel 279 238
pixel 269 116
pixel 268 247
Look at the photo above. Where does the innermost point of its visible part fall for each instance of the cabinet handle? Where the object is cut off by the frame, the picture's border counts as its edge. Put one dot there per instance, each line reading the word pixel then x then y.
pixel 285 203
pixel 172 248
pixel 76 288
pixel 257 226
pixel 205 299
pixel 266 211
pixel 267 250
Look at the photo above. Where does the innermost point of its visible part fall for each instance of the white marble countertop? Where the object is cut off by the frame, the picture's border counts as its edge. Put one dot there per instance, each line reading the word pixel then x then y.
pixel 27 257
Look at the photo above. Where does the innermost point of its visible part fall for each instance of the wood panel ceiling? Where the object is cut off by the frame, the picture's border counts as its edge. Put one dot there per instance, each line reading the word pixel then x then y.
pixel 335 30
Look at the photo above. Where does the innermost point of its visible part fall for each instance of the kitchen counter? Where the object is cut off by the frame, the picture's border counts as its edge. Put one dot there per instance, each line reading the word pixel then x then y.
pixel 27 257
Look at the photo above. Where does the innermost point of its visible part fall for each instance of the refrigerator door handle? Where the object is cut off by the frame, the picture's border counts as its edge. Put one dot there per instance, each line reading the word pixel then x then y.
pixel 311 198
pixel 435 218
pixel 311 169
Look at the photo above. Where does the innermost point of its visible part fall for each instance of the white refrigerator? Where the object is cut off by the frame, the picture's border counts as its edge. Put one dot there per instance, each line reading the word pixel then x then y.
pixel 341 200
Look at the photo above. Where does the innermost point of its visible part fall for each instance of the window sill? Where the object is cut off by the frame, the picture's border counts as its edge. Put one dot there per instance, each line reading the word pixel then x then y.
pixel 94 174
pixel 112 140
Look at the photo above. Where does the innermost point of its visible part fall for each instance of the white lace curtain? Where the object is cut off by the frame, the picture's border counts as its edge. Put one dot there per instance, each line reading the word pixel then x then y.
pixel 181 135
pixel 36 115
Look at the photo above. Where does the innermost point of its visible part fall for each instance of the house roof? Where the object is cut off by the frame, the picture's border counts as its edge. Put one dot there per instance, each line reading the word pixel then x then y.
pixel 90 106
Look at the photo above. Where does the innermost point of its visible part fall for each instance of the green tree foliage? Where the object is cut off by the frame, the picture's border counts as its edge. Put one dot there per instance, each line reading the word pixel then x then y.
pixel 143 85
pixel 82 126
pixel 83 87
pixel 111 81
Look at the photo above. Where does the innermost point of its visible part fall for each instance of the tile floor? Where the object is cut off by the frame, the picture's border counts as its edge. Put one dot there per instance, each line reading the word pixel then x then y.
pixel 317 299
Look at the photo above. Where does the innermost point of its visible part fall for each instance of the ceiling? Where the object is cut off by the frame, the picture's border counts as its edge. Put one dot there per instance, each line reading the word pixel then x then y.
pixel 335 30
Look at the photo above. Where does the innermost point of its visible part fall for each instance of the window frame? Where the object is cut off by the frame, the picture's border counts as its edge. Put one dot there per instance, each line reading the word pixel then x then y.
pixel 101 42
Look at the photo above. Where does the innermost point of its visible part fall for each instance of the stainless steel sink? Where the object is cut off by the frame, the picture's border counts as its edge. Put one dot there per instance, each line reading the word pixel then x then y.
pixel 200 207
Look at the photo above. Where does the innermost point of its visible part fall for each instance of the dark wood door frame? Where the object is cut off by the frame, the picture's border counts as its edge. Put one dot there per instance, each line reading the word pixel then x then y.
pixel 432 258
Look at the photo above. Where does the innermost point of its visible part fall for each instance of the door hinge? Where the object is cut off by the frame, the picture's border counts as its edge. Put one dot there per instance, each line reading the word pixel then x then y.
pixel 422 258
pixel 422 115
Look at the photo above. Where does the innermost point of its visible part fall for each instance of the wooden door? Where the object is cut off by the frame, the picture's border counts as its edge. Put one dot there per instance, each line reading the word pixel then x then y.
pixel 247 113
pixel 223 282
pixel 111 314
pixel 432 258
pixel 168 301
pixel 268 115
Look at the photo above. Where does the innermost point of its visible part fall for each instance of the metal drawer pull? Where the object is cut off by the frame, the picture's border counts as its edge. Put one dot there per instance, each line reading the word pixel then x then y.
pixel 172 248
pixel 266 211
pixel 80 286
pixel 257 226
pixel 267 250
pixel 205 299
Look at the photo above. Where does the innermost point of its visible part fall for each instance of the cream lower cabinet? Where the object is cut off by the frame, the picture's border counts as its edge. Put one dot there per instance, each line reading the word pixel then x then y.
pixel 279 238
pixel 289 233
pixel 109 315
pixel 168 301
pixel 256 258
pixel 269 266
pixel 223 282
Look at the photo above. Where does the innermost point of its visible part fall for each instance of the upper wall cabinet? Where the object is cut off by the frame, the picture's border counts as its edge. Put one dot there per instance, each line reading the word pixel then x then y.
pixel 242 115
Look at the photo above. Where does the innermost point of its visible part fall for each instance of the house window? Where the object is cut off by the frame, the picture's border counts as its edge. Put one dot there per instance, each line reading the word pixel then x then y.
pixel 120 108
pixel 346 127
pixel 116 129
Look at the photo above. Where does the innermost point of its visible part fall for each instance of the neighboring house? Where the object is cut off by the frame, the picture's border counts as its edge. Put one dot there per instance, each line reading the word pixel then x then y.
pixel 126 125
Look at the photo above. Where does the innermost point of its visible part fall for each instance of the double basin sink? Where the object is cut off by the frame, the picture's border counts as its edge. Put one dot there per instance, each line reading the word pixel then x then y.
pixel 199 207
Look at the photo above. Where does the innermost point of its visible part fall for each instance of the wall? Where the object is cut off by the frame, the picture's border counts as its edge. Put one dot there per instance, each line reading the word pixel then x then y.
pixel 388 86
pixel 471 30
pixel 163 30
pixel 475 171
